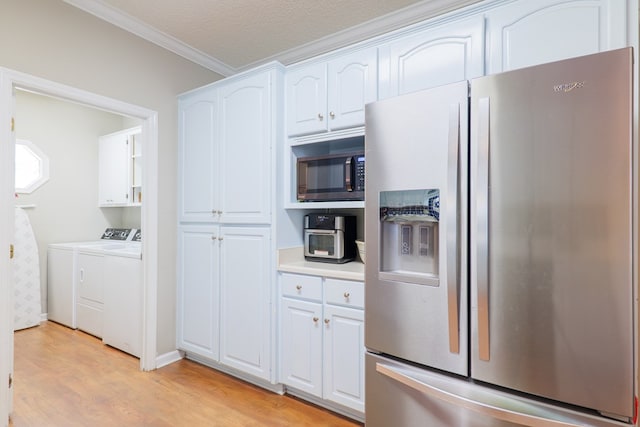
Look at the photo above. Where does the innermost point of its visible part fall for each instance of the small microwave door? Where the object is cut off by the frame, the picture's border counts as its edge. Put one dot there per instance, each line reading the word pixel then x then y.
pixel 322 176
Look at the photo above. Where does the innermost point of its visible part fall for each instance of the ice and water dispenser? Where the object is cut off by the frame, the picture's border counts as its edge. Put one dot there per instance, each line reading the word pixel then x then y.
pixel 409 229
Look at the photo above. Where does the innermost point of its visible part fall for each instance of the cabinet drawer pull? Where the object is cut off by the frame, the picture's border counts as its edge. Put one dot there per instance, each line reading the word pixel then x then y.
pixel 326 321
pixel 320 116
pixel 332 115
pixel 315 320
pixel 298 287
pixel 347 295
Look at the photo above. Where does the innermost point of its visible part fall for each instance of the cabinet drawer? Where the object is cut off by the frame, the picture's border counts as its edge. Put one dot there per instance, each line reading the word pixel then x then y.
pixel 344 292
pixel 299 286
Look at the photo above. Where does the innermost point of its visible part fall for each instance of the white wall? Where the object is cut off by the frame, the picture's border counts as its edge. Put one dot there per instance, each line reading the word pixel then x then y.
pixel 53 40
pixel 66 206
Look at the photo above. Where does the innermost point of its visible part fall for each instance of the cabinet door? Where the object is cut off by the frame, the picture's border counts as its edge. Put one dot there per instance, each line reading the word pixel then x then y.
pixel 525 33
pixel 197 155
pixel 344 356
pixel 307 99
pixel 352 83
pixel 245 295
pixel 301 345
pixel 245 122
pixel 113 170
pixel 433 57
pixel 198 290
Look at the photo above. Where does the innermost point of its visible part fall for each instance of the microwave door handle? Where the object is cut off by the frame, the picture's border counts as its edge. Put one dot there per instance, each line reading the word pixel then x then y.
pixel 320 231
pixel 347 174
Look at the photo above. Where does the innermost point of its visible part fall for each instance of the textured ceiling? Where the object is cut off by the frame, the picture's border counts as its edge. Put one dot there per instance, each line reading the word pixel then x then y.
pixel 243 33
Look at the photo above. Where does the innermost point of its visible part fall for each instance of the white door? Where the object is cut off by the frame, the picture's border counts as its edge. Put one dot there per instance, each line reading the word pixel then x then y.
pixel 525 32
pixel 7 187
pixel 113 170
pixel 352 83
pixel 198 290
pixel 306 107
pixel 301 345
pixel 434 57
pixel 197 156
pixel 245 150
pixel 344 356
pixel 245 284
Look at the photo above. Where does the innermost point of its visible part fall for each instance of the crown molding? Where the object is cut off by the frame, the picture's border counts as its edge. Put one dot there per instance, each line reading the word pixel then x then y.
pixel 133 25
pixel 375 27
pixel 395 20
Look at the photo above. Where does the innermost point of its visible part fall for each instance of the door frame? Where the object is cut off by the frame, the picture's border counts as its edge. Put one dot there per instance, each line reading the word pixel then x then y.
pixel 9 81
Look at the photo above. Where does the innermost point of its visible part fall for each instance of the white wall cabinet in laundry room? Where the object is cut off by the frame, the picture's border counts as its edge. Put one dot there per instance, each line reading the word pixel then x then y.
pixel 331 95
pixel 120 168
pixel 226 138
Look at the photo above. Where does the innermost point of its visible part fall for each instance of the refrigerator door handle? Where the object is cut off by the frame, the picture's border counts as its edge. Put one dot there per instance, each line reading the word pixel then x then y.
pixel 482 231
pixel 474 404
pixel 453 299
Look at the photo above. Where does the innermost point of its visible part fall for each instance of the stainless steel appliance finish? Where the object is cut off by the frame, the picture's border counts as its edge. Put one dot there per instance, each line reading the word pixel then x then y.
pixel 329 238
pixel 549 294
pixel 331 177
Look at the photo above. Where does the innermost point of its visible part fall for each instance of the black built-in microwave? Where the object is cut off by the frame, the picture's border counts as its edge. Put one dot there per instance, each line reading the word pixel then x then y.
pixel 331 177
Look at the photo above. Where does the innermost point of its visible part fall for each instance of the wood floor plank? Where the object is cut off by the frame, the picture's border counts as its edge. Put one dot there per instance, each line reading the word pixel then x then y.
pixel 67 378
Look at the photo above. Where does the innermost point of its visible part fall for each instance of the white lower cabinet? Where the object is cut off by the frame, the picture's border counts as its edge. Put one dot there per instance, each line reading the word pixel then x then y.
pixel 322 338
pixel 224 308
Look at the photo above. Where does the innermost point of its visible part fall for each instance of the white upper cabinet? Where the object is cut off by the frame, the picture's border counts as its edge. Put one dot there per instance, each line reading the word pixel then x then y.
pixel 197 152
pixel 227 132
pixel 244 166
pixel 119 168
pixel 432 57
pixel 331 95
pixel 525 32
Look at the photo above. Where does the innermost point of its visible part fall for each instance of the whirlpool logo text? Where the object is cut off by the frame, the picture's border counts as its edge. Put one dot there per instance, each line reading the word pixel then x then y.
pixel 568 87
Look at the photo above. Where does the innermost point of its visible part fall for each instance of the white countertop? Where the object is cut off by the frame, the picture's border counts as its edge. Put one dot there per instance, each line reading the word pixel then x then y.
pixel 291 260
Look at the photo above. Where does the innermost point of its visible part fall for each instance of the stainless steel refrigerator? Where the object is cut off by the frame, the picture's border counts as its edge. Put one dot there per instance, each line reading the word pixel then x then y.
pixel 500 280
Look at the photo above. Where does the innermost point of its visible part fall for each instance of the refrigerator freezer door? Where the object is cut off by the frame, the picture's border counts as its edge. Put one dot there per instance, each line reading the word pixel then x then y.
pixel 551 243
pixel 402 395
pixel 415 231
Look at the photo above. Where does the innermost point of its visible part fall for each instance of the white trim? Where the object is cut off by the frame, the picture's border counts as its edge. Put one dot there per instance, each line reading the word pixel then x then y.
pixel 149 209
pixel 169 358
pixel 143 30
pixel 394 20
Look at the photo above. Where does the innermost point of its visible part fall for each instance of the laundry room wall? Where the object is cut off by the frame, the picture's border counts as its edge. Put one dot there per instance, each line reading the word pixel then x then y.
pixel 65 208
pixel 61 43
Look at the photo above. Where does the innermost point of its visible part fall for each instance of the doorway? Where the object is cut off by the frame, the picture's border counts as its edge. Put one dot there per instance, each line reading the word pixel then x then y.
pixel 10 81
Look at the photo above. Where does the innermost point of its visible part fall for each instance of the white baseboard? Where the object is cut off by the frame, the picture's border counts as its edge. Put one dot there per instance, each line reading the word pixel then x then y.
pixel 168 358
pixel 44 317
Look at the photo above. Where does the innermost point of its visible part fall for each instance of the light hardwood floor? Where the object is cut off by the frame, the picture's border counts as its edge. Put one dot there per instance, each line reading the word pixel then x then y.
pixel 67 378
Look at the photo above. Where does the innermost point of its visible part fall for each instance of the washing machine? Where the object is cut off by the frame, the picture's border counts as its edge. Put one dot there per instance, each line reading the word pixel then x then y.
pixel 63 275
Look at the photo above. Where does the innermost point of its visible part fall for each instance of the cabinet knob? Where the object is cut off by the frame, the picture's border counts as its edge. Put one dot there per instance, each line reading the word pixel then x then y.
pixel 320 116
pixel 347 294
pixel 220 238
pixel 298 287
pixel 326 321
pixel 332 114
pixel 214 237
pixel 315 320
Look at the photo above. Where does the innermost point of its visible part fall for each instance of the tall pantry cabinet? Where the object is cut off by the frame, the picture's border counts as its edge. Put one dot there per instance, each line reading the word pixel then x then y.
pixel 225 299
